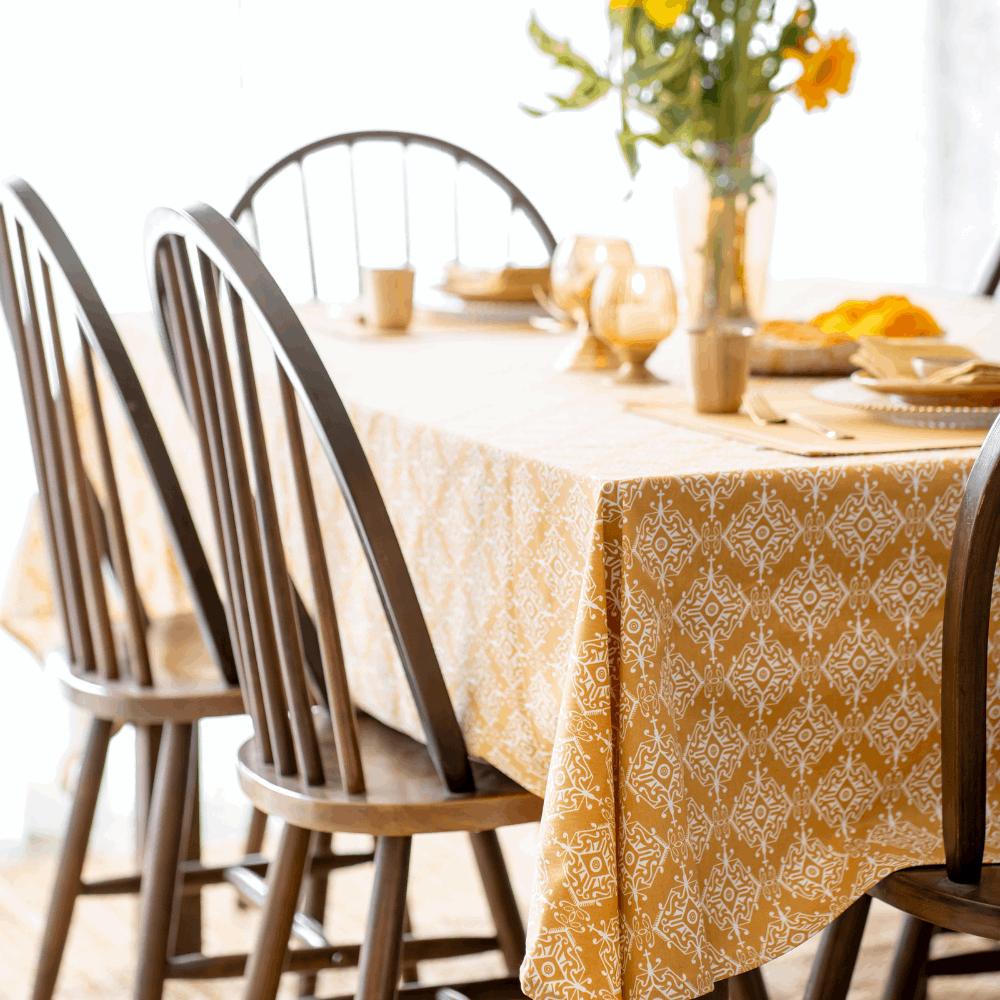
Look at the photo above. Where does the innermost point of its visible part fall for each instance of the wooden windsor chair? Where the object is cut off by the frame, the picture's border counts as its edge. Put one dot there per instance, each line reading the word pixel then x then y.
pixel 963 895
pixel 244 214
pixel 160 676
pixel 989 280
pixel 314 761
pixel 245 211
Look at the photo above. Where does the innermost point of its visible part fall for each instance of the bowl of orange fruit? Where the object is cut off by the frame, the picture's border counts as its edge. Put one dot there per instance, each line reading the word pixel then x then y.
pixel 824 344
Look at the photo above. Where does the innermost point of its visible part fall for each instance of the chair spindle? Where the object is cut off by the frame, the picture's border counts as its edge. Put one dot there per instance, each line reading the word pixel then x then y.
pixel 341 709
pixel 309 233
pixel 135 618
pixel 81 504
pixel 290 655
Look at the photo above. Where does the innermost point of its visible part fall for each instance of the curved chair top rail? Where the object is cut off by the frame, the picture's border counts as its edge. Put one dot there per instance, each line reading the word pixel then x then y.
pixel 174 239
pixel 965 644
pixel 518 199
pixel 27 211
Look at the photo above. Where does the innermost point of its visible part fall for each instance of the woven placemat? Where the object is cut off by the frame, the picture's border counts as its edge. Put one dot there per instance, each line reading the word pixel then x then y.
pixel 871 436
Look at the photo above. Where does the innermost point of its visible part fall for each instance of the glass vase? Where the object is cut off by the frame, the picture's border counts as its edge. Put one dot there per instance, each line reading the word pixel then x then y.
pixel 725 236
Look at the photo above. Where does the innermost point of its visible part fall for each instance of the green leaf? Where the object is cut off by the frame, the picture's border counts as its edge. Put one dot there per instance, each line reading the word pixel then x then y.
pixel 587 91
pixel 667 70
pixel 793 33
pixel 559 49
pixel 626 141
pixel 661 138
pixel 592 86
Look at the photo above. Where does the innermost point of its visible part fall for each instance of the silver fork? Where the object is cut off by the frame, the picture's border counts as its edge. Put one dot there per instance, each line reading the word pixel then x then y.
pixel 762 413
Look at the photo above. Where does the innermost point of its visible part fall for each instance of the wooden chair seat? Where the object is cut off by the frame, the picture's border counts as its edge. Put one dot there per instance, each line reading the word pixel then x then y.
pixel 186 682
pixel 928 894
pixel 179 700
pixel 403 796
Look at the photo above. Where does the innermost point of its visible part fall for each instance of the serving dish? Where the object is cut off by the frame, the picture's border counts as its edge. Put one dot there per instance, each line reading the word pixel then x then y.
pixel 770 356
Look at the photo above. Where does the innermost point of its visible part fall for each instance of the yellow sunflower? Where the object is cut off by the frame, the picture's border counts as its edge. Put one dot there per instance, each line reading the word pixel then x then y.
pixel 826 69
pixel 663 13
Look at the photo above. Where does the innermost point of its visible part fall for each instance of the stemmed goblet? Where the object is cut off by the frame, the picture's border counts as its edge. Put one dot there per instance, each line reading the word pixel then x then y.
pixel 575 264
pixel 633 308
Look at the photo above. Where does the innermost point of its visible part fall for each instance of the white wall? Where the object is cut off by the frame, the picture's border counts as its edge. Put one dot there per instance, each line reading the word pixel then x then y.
pixel 965 102
pixel 115 106
pixel 852 181
pixel 121 105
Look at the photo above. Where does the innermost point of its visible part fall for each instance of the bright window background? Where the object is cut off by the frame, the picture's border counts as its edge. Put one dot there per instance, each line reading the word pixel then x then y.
pixel 114 107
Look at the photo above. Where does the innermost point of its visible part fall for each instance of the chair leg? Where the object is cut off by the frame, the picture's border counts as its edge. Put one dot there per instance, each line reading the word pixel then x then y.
pixel 748 986
pixel 410 974
pixel 378 965
pixel 500 896
pixel 833 966
pixel 255 832
pixel 160 862
pixel 71 858
pixel 187 941
pixel 921 993
pixel 147 746
pixel 256 829
pixel 284 879
pixel 314 901
pixel 907 971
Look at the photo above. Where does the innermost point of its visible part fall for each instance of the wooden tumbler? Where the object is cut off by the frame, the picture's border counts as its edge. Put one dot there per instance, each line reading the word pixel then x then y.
pixel 387 297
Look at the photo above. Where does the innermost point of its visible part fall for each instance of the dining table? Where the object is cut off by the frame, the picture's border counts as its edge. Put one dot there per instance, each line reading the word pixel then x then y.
pixel 718 662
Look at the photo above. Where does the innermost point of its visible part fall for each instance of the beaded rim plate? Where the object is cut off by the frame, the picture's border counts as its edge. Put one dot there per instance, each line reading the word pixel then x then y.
pixel 448 306
pixel 844 392
pixel 914 392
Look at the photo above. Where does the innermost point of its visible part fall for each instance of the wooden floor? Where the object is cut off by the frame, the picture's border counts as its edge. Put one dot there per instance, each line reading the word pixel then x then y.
pixel 444 898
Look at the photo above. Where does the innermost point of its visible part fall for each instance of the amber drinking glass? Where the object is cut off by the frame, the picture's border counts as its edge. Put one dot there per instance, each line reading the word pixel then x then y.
pixel 575 264
pixel 633 308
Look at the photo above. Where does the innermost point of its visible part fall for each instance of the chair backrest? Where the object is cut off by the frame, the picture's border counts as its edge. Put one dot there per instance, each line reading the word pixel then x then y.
pixel 204 279
pixel 52 309
pixel 964 667
pixel 990 279
pixel 245 212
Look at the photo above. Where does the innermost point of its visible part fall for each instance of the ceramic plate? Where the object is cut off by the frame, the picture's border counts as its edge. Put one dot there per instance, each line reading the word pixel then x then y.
pixel 512 284
pixel 917 393
pixel 453 308
pixel 847 392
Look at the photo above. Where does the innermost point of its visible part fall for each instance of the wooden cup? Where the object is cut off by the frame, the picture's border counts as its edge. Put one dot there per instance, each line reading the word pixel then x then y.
pixel 720 366
pixel 387 297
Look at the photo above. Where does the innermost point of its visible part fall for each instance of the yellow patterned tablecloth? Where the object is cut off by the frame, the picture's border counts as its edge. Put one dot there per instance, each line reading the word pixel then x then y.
pixel 720 664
